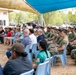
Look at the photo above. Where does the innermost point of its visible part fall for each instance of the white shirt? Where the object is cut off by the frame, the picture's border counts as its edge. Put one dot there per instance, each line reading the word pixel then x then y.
pixel 33 39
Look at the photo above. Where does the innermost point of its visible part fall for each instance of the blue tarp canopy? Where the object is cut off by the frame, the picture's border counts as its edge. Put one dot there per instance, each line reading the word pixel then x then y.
pixel 44 6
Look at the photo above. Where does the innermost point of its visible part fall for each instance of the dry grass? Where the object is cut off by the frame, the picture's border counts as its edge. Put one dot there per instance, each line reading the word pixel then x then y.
pixel 69 69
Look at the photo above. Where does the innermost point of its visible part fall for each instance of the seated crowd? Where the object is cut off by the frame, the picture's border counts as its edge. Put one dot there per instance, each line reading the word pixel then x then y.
pixel 50 42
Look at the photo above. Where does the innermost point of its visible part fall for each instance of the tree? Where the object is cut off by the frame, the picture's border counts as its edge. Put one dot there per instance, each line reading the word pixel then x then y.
pixel 51 18
pixel 18 17
pixel 12 16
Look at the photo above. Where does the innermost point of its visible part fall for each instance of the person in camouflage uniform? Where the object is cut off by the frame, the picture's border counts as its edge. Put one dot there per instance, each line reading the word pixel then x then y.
pixel 56 39
pixel 47 34
pixel 71 34
pixel 51 45
pixel 72 38
pixel 64 42
pixel 73 55
pixel 59 41
pixel 73 46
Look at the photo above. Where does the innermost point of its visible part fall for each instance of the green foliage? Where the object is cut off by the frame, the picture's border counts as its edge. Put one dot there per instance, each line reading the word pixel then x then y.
pixel 72 17
pixel 12 16
pixel 51 18
pixel 18 17
pixel 23 17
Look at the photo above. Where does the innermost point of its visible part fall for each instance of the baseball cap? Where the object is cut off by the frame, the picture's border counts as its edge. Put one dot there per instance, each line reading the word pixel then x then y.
pixel 19 47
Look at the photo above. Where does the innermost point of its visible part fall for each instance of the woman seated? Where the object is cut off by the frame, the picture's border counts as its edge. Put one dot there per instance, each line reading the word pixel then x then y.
pixel 43 54
pixel 16 35
pixel 13 38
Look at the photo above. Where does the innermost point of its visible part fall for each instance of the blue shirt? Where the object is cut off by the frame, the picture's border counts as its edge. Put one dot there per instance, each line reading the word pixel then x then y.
pixel 40 38
pixel 26 41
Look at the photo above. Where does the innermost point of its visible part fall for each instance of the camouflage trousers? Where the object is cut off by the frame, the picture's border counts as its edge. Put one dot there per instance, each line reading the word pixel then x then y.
pixel 70 48
pixel 73 54
pixel 51 48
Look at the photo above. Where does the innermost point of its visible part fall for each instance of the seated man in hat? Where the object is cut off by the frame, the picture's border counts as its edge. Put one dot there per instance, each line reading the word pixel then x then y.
pixel 18 62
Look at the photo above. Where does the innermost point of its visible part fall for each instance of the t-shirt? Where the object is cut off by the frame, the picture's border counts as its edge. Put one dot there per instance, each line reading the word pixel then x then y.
pixel 9 34
pixel 65 41
pixel 42 56
pixel 33 40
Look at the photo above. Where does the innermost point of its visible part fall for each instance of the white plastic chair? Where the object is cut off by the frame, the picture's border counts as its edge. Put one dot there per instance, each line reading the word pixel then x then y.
pixel 27 50
pixel 28 73
pixel 34 50
pixel 49 65
pixel 42 68
pixel 62 57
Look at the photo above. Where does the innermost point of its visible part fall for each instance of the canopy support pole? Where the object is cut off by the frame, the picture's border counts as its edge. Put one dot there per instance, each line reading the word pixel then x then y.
pixel 41 19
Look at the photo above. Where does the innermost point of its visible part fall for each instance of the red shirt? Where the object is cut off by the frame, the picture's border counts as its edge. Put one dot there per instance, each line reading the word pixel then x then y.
pixel 9 34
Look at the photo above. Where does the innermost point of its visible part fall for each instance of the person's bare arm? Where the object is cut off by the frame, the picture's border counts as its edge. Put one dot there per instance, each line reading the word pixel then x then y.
pixel 35 66
pixel 61 48
pixel 74 42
